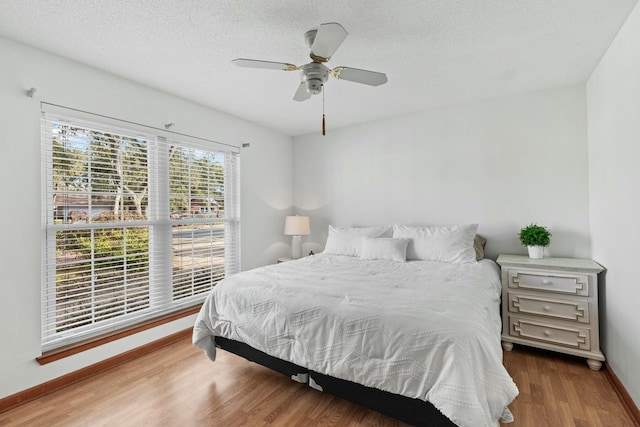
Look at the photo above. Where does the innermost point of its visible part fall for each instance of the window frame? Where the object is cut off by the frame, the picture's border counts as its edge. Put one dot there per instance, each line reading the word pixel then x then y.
pixel 159 222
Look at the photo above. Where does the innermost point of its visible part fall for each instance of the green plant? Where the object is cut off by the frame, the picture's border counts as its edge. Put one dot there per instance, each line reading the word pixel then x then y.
pixel 535 235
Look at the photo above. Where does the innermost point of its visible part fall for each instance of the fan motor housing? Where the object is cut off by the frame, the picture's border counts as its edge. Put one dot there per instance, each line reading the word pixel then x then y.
pixel 314 75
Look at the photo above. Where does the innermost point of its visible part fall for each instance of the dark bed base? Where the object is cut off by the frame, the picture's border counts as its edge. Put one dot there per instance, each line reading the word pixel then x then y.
pixel 289 369
pixel 412 411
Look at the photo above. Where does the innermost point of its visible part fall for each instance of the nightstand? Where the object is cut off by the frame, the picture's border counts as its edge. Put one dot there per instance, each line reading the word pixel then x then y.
pixel 551 303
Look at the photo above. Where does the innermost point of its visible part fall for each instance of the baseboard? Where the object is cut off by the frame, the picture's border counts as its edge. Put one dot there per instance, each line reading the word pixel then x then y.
pixel 15 400
pixel 623 394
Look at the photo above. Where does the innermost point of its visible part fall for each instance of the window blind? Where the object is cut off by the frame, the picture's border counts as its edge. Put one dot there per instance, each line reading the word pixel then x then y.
pixel 134 226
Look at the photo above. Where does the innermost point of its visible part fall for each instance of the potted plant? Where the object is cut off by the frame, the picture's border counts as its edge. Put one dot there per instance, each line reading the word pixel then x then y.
pixel 535 237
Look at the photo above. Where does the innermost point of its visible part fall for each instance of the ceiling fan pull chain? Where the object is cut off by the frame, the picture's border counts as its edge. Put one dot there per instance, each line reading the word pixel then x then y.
pixel 324 132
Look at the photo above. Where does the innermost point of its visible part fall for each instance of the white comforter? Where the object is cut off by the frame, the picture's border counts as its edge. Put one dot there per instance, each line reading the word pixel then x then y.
pixel 425 330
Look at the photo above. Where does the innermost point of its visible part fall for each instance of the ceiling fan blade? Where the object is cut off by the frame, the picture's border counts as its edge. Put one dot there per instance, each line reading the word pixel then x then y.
pixel 302 94
pixel 328 39
pixel 268 65
pixel 370 78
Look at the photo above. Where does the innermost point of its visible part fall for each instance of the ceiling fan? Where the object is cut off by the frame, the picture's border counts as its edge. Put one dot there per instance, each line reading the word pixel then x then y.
pixel 323 43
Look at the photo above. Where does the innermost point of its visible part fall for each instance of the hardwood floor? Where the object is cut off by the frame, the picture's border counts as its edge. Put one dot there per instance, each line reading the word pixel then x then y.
pixel 559 390
pixel 178 386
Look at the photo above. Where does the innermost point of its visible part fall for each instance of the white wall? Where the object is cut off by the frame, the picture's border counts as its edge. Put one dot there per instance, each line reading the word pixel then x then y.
pixel 266 175
pixel 613 100
pixel 501 163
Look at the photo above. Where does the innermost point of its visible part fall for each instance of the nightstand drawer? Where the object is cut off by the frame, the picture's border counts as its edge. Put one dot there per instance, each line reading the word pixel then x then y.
pixel 554 334
pixel 577 311
pixel 568 284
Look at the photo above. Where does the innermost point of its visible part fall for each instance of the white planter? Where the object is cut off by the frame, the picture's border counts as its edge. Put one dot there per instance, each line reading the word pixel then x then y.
pixel 536 251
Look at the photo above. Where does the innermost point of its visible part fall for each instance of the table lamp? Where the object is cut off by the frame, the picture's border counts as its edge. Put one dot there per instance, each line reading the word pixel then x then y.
pixel 296 226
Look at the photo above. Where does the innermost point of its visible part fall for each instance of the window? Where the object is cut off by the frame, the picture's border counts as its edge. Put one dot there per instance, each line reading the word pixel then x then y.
pixel 135 225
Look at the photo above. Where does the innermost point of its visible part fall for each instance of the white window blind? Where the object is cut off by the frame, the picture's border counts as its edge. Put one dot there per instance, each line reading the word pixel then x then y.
pixel 134 226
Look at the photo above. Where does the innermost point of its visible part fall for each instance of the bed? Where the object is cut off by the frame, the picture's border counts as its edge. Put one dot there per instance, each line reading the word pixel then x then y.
pixel 417 340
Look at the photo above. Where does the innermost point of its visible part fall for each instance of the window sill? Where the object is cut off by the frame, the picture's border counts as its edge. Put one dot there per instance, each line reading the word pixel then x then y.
pixel 61 353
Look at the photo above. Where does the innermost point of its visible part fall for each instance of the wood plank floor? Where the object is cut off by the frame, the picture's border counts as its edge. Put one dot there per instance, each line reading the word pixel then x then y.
pixel 178 386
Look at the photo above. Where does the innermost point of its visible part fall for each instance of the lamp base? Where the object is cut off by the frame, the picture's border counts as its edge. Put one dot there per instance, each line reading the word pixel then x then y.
pixel 296 247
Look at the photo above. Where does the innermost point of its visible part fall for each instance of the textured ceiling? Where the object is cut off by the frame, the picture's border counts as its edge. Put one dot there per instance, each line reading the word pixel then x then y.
pixel 434 52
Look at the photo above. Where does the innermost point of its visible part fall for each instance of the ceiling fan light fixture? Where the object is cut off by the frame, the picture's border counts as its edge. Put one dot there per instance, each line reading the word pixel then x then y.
pixel 314 86
pixel 314 75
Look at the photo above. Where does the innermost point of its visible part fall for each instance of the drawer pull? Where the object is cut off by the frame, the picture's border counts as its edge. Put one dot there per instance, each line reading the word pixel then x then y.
pixel 546 308
pixel 547 333
pixel 547 282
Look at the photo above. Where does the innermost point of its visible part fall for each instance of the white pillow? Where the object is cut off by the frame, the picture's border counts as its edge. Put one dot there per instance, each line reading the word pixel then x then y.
pixel 384 248
pixel 348 241
pixel 453 243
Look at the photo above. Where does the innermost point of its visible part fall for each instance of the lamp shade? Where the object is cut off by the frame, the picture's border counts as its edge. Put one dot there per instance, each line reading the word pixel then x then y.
pixel 296 226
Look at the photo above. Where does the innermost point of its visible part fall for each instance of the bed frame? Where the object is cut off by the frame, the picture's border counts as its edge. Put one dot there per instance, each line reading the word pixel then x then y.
pixel 412 411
